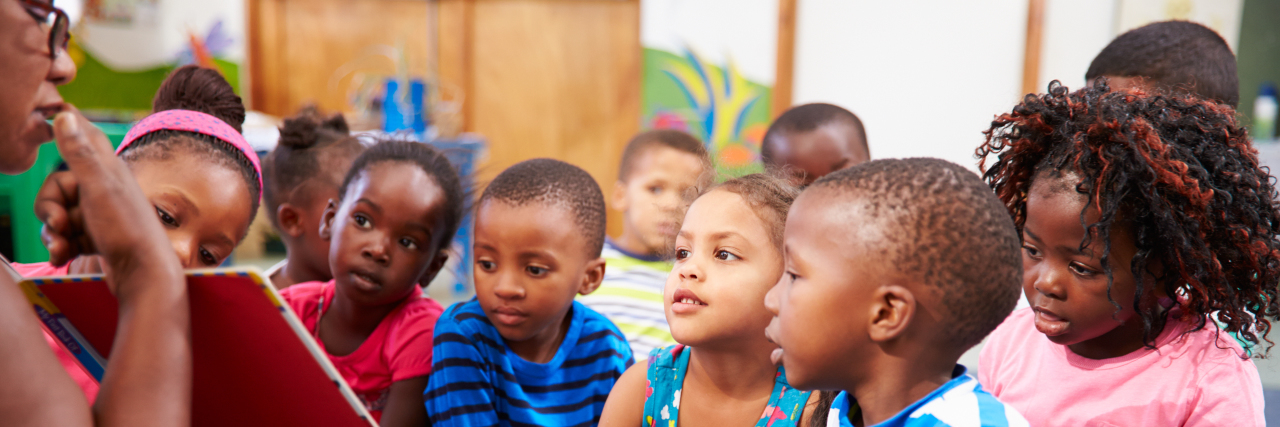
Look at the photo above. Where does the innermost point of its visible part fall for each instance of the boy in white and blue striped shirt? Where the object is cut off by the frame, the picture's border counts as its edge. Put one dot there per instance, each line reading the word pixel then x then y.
pixel 657 171
pixel 893 269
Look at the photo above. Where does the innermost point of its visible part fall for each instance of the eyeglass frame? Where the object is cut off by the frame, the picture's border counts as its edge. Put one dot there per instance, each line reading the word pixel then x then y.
pixel 61 27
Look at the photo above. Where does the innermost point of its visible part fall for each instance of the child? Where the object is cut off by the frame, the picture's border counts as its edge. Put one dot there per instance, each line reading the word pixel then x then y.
pixel 1143 220
pixel 813 140
pixel 1176 56
pixel 389 228
pixel 727 256
pixel 658 168
pixel 302 174
pixel 195 168
pixel 893 269
pixel 523 352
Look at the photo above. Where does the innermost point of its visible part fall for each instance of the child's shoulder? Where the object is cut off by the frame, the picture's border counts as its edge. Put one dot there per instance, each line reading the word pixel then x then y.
pixel 419 313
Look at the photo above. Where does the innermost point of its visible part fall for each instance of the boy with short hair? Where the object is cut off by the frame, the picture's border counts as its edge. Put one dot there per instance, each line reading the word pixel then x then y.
pixel 812 140
pixel 1175 56
pixel 658 168
pixel 893 269
pixel 523 352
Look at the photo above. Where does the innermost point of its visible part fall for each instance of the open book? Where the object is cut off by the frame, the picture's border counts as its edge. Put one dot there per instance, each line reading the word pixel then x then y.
pixel 253 361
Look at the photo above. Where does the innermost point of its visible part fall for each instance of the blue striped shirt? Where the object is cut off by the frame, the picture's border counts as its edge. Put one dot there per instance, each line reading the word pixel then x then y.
pixel 476 380
pixel 960 402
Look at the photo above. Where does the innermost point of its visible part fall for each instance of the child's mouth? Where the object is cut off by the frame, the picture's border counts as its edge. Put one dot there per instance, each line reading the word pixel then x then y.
pixel 686 302
pixel 776 356
pixel 1049 323
pixel 509 316
pixel 365 282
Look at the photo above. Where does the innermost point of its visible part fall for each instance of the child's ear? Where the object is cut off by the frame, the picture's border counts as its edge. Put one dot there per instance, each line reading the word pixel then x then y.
pixel 618 200
pixel 326 221
pixel 434 268
pixel 892 309
pixel 290 220
pixel 595 275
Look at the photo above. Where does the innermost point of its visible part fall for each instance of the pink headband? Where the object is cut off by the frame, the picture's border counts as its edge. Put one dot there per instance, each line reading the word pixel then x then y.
pixel 194 121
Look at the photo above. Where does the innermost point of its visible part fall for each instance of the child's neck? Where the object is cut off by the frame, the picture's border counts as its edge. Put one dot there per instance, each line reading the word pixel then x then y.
pixel 542 348
pixel 632 243
pixel 346 325
pixel 895 383
pixel 740 373
pixel 296 270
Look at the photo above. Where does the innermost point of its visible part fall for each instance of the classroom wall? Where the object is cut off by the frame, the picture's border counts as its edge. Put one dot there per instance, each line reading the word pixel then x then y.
pixel 924 82
pixel 930 87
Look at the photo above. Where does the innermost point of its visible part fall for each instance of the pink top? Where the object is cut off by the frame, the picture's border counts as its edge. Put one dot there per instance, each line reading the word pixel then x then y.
pixel 86 382
pixel 399 349
pixel 1195 380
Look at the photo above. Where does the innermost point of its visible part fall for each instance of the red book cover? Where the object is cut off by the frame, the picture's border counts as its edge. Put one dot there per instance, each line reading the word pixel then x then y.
pixel 254 363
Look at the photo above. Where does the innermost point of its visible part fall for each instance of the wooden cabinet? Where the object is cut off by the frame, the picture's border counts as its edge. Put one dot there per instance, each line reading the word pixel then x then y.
pixel 540 78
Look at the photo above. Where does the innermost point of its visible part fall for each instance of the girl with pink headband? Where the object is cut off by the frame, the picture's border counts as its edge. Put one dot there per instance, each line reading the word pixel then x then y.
pixel 195 168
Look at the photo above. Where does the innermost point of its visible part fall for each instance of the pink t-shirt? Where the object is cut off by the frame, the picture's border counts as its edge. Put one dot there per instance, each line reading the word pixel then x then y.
pixel 1195 380
pixel 86 382
pixel 399 349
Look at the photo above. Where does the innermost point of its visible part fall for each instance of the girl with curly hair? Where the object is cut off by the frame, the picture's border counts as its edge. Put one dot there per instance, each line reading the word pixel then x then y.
pixel 1149 235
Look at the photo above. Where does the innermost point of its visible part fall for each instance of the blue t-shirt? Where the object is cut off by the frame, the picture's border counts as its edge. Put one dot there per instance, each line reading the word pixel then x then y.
pixel 960 402
pixel 476 379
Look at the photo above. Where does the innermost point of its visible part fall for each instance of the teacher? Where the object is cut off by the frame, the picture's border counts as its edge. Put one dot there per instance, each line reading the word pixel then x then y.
pixel 96 207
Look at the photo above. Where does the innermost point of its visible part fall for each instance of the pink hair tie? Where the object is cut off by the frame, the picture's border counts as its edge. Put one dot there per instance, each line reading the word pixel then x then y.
pixel 194 121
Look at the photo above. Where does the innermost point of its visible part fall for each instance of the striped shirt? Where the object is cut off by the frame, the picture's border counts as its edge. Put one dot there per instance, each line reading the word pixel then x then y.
pixel 477 380
pixel 631 296
pixel 960 402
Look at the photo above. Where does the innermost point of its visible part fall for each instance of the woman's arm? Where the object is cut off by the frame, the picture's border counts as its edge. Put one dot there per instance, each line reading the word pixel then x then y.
pixel 625 406
pixel 34 390
pixel 98 208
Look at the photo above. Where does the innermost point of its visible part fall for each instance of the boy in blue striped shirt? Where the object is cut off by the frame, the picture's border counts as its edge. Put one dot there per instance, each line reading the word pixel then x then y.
pixel 523 352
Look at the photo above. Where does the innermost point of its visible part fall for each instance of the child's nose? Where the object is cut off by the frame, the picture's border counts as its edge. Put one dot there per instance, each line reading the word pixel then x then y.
pixel 772 302
pixel 376 251
pixel 507 288
pixel 689 270
pixel 1046 281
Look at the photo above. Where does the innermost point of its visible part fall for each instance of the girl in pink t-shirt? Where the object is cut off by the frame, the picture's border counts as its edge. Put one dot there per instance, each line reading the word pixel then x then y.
pixel 389 229
pixel 1150 245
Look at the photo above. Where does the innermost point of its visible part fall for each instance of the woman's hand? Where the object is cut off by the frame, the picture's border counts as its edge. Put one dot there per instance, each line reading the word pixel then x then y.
pixel 123 227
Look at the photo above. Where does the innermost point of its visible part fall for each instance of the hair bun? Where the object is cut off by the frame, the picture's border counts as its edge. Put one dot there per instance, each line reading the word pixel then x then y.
pixel 200 89
pixel 309 128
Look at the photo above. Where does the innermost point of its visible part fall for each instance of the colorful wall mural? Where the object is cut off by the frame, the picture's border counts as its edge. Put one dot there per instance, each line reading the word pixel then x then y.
pixel 711 78
pixel 123 49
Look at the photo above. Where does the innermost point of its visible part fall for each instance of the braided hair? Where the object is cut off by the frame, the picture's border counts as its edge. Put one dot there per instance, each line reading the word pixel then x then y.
pixel 1180 171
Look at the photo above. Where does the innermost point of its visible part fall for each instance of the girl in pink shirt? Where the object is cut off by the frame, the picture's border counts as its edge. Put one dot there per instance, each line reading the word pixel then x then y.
pixel 389 229
pixel 1149 240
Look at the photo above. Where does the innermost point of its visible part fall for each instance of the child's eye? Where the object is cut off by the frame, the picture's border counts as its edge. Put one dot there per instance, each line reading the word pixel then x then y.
pixel 408 243
pixel 724 255
pixel 360 220
pixel 208 258
pixel 486 265
pixel 1081 270
pixel 792 276
pixel 166 218
pixel 655 189
pixel 1032 252
pixel 536 271
pixel 682 254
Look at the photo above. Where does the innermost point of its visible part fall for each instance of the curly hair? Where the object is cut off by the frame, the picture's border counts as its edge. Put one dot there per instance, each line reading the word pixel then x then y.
pixel 1180 171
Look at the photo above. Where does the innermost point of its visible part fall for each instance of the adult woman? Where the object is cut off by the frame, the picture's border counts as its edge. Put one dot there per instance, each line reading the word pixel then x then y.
pixel 148 378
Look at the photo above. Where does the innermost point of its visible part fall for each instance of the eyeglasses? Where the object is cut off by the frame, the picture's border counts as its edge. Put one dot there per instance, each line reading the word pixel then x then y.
pixel 59 30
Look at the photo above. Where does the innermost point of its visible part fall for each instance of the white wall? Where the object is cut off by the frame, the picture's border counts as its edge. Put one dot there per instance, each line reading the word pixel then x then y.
pixel 1074 32
pixel 926 77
